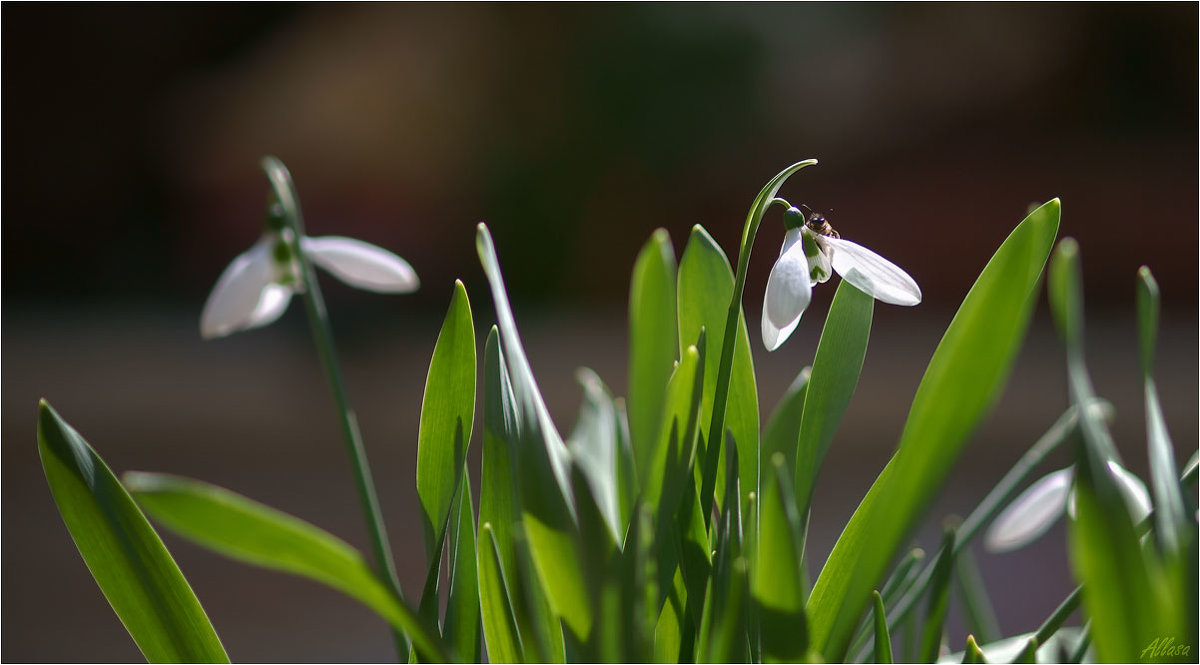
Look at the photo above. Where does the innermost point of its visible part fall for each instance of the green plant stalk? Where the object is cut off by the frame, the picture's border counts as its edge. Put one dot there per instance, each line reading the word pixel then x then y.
pixel 1068 605
pixel 716 431
pixel 1081 647
pixel 1066 427
pixel 977 605
pixel 322 333
pixel 898 583
pixel 1060 614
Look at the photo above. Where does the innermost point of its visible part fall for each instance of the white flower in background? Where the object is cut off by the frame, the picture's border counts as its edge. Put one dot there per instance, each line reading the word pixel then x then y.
pixel 258 285
pixel 810 249
pixel 1037 508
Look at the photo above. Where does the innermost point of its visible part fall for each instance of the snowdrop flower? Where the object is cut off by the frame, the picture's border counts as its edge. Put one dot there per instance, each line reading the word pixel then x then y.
pixel 256 288
pixel 1037 508
pixel 810 249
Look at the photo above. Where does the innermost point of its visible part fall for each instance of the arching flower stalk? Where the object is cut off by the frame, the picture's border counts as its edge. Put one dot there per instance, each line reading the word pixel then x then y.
pixel 811 252
pixel 255 290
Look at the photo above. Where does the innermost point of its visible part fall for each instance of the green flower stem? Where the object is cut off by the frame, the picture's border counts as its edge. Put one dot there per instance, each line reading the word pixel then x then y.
pixel 1060 614
pixel 766 198
pixel 1081 647
pixel 318 321
pixel 1066 427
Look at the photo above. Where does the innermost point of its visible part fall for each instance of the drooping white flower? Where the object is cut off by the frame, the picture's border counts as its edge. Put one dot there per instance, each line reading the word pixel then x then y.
pixel 1032 513
pixel 810 249
pixel 257 286
pixel 1037 508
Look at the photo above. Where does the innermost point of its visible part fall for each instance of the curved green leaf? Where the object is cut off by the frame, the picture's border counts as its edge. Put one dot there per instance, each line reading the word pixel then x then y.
pixel 462 628
pixel 652 342
pixel 542 467
pixel 447 411
pixel 835 372
pixel 1125 594
pixel 245 530
pixel 499 622
pixel 779 580
pixel 783 427
pixel 883 641
pixel 126 557
pixel 705 288
pixel 963 380
pixel 594 445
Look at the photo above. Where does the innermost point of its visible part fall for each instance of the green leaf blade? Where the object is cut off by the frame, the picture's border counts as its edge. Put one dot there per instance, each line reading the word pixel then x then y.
pixel 462 628
pixel 963 380
pixel 653 345
pixel 542 468
pixel 779 581
pixel 128 560
pixel 447 412
pixel 836 369
pixel 883 641
pixel 245 530
pixel 594 446
pixel 706 284
pixel 499 622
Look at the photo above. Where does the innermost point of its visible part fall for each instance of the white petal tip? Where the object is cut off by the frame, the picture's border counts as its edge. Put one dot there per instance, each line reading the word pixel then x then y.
pixel 362 265
pixel 1031 514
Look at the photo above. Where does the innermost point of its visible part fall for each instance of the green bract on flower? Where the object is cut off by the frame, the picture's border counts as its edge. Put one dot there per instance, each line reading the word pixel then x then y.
pixel 810 249
pixel 258 285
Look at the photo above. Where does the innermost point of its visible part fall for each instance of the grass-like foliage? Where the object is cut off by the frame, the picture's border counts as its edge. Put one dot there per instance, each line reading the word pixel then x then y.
pixel 670 524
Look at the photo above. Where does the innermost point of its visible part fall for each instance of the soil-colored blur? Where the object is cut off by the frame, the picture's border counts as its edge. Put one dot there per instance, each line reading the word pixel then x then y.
pixel 130 173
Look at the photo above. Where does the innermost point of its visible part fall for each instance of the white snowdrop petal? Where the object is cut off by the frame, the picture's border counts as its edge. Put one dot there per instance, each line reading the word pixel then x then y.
pixel 774 337
pixel 788 292
pixel 788 287
pixel 271 305
pixel 361 264
pixel 1134 491
pixel 1031 513
pixel 235 299
pixel 873 274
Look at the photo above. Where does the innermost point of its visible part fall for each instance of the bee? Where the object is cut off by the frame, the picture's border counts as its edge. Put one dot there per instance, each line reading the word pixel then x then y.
pixel 817 223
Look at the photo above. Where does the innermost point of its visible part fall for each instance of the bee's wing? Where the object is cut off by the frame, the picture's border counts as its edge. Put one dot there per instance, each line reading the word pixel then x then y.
pixel 872 274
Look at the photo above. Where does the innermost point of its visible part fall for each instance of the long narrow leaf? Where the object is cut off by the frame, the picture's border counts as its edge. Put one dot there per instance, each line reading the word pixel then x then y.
pixel 594 446
pixel 543 468
pixel 245 530
pixel 939 600
pixel 1172 527
pixel 705 286
pixel 883 641
pixel 462 627
pixel 126 557
pixel 779 581
pixel 499 622
pixel 783 427
pixel 498 507
pixel 447 412
pixel 963 380
pixel 1119 576
pixel 835 372
pixel 653 342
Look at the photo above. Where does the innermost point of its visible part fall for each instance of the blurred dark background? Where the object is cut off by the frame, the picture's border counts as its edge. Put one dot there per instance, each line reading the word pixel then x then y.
pixel 132 135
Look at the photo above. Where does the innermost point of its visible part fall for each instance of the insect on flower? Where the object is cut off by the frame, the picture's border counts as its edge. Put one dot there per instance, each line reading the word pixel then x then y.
pixel 812 250
pixel 257 286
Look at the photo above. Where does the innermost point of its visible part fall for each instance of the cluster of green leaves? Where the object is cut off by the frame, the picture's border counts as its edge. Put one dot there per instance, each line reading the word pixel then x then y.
pixel 668 526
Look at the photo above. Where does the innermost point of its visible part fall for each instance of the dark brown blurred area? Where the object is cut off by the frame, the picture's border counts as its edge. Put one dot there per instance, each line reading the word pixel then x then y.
pixel 132 135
